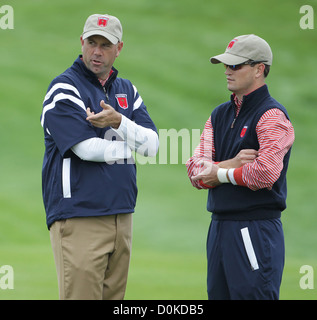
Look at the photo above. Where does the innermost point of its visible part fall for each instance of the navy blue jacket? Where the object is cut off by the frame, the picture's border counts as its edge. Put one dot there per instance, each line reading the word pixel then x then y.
pixel 72 187
pixel 232 202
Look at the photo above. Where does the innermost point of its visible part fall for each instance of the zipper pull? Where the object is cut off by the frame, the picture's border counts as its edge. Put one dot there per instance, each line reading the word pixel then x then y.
pixel 233 122
pixel 106 93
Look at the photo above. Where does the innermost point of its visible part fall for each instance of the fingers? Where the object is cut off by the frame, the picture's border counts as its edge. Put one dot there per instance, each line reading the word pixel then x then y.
pixel 198 177
pixel 92 116
pixel 203 164
pixel 105 106
pixel 89 113
pixel 248 154
pixel 108 116
pixel 206 166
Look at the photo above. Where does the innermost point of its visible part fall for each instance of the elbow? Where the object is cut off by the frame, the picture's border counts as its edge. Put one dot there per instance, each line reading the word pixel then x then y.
pixel 80 153
pixel 85 156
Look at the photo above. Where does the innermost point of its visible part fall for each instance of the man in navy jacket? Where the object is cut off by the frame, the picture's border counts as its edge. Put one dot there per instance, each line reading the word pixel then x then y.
pixel 92 123
pixel 242 160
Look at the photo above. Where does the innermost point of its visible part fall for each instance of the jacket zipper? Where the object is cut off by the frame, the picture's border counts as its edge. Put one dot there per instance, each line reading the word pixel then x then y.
pixel 106 93
pixel 106 86
pixel 236 116
pixel 233 122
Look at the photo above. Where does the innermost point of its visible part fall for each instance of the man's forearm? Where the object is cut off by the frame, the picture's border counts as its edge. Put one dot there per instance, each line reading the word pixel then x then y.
pixel 101 150
pixel 140 139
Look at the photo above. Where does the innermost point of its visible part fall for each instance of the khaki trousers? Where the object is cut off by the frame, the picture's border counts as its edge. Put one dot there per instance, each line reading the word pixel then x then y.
pixel 92 256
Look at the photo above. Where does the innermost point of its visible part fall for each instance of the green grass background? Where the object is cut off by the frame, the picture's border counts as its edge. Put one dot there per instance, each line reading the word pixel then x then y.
pixel 167 45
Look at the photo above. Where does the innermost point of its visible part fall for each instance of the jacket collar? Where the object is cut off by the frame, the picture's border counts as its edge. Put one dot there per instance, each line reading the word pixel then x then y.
pixel 80 66
pixel 254 97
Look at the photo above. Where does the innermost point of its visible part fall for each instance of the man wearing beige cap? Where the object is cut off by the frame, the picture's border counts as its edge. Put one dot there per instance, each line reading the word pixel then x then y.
pixel 93 121
pixel 242 161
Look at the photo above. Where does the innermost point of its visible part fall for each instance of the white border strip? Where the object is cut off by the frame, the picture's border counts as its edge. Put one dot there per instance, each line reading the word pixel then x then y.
pixel 249 248
pixel 66 178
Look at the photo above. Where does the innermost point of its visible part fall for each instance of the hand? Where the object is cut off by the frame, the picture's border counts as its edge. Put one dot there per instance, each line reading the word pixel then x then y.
pixel 243 157
pixel 107 117
pixel 208 175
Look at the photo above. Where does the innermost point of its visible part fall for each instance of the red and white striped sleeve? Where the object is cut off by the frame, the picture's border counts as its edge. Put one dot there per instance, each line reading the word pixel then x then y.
pixel 276 136
pixel 204 151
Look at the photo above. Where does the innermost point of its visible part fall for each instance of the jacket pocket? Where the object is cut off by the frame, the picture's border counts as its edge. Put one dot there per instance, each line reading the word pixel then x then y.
pixel 249 249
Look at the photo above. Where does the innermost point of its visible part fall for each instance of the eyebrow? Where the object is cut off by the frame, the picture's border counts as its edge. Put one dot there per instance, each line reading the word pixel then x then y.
pixel 105 41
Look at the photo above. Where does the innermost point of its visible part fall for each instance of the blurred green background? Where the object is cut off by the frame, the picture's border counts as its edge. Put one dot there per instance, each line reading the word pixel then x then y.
pixel 167 46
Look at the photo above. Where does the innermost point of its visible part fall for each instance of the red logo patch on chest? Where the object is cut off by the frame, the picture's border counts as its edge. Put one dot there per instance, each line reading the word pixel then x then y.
pixel 243 131
pixel 122 100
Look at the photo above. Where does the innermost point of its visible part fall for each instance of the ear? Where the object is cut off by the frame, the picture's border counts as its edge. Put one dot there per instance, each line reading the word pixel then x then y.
pixel 119 48
pixel 260 70
pixel 82 41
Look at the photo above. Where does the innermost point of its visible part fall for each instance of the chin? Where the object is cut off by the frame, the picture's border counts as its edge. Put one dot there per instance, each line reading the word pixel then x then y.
pixel 230 88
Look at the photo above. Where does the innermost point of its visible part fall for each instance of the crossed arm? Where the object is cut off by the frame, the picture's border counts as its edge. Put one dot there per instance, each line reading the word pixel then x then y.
pixel 249 168
pixel 209 174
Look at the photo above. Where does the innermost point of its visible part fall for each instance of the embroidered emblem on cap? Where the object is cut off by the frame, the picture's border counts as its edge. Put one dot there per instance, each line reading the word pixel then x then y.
pixel 232 42
pixel 102 21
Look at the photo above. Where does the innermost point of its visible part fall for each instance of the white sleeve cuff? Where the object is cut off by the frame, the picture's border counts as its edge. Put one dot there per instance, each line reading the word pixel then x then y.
pixel 226 176
pixel 222 175
pixel 231 176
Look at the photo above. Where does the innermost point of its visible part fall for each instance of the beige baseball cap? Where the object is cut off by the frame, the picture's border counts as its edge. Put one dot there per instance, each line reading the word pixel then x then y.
pixel 103 25
pixel 244 48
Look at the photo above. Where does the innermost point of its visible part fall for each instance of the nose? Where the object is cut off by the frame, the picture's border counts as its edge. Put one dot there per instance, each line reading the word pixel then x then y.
pixel 228 70
pixel 97 50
